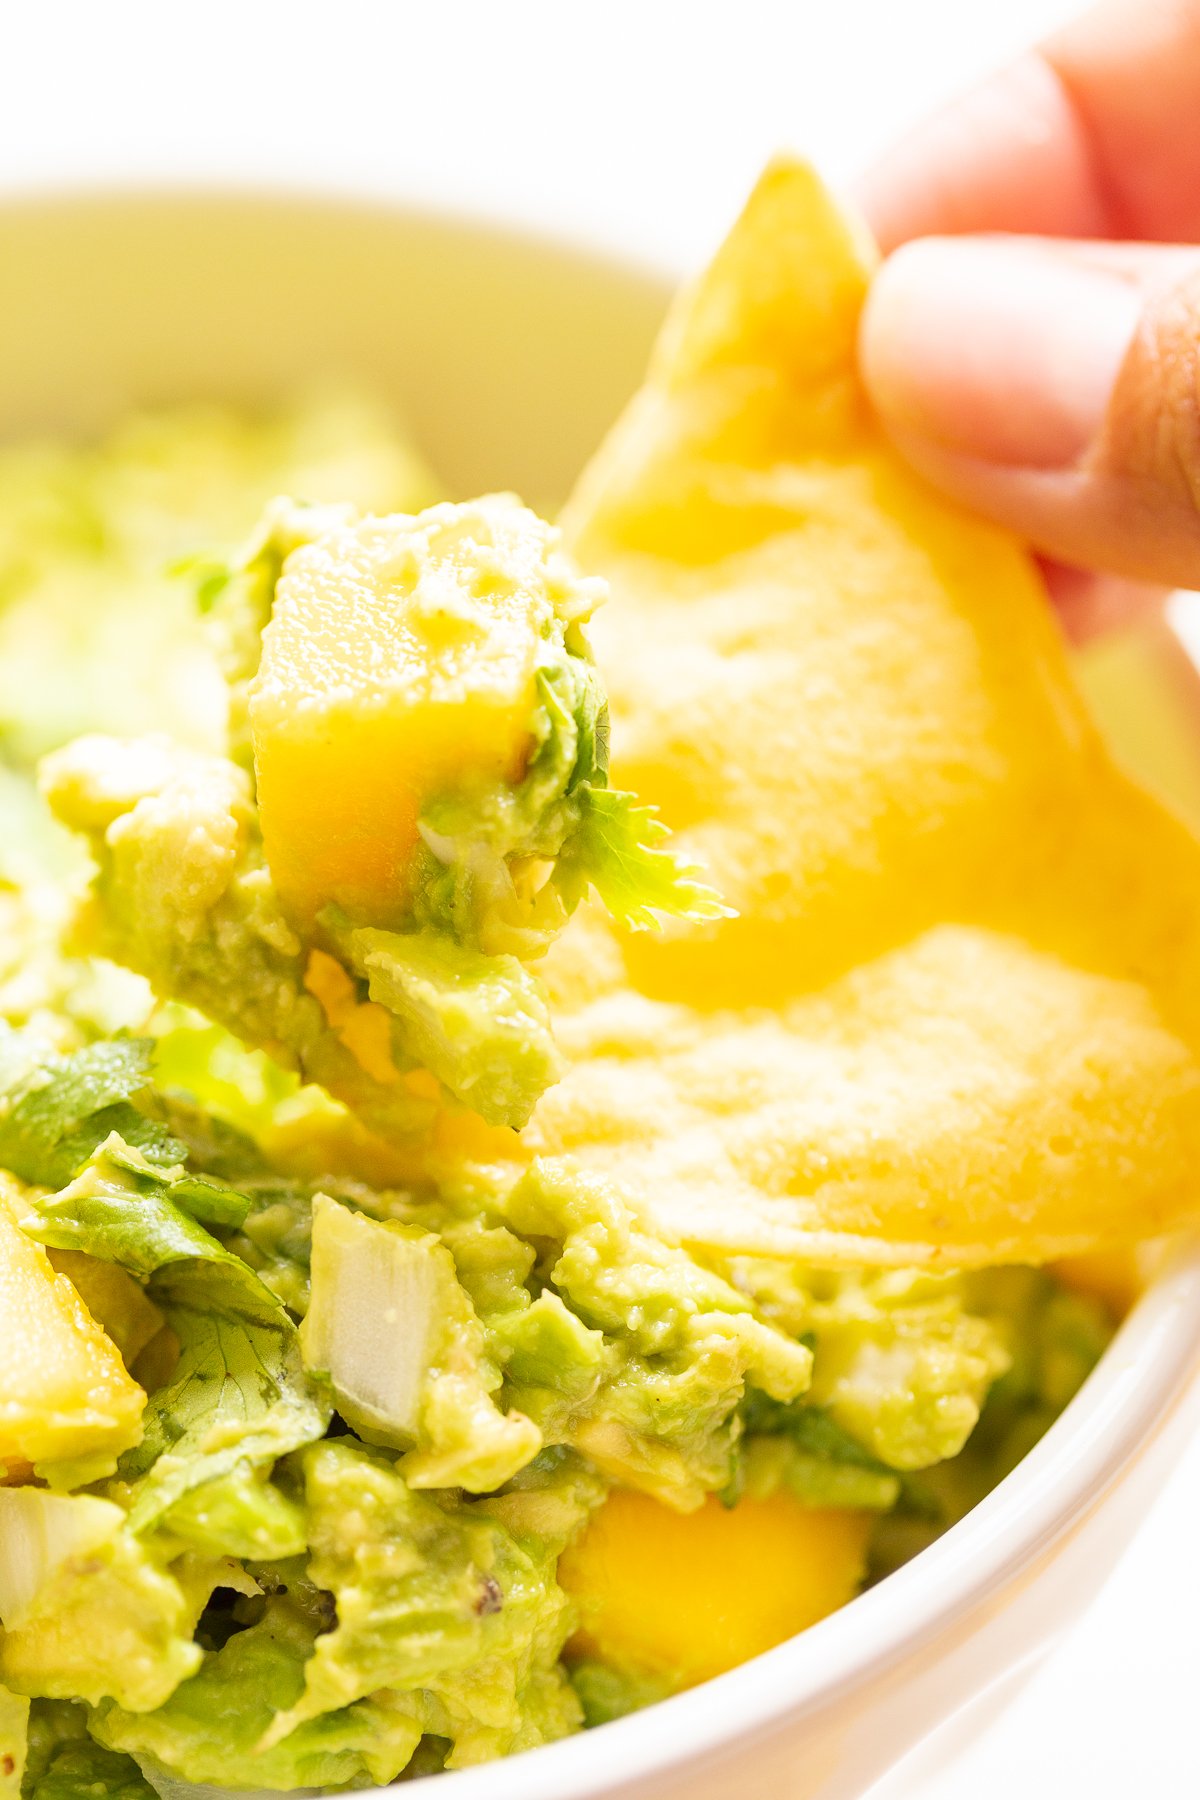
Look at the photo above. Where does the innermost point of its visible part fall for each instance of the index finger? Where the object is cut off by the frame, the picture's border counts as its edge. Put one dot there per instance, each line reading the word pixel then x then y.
pixel 1094 134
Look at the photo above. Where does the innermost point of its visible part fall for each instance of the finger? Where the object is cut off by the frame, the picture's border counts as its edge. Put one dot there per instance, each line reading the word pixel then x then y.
pixel 1009 155
pixel 1053 387
pixel 1132 70
pixel 1090 605
pixel 1095 134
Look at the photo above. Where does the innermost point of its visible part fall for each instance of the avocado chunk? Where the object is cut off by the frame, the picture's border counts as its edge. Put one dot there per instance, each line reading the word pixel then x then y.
pixel 89 1609
pixel 479 1023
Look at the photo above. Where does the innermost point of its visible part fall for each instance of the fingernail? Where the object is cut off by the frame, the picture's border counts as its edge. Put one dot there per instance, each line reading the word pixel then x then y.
pixel 998 349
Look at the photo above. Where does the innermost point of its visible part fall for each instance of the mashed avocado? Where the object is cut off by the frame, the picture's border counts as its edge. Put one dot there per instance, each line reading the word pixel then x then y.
pixel 268 1021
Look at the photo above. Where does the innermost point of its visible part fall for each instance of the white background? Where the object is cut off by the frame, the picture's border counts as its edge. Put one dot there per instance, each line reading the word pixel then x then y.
pixel 637 126
pixel 637 122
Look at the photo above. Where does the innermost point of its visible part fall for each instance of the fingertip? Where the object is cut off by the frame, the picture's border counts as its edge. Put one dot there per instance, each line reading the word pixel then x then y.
pixel 1052 388
pixel 891 330
pixel 998 350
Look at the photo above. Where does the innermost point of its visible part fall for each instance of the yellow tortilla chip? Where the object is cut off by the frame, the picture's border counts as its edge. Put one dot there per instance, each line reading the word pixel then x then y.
pixel 956 1018
pixel 963 1100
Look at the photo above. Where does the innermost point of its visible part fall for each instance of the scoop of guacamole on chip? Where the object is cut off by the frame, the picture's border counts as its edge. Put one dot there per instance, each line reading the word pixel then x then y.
pixel 570 1095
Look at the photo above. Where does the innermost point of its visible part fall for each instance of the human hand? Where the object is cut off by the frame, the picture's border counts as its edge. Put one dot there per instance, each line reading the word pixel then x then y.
pixel 1052 380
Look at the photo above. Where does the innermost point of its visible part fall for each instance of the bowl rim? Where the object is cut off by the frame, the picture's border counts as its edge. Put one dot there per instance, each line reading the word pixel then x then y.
pixel 1120 1409
pixel 659 277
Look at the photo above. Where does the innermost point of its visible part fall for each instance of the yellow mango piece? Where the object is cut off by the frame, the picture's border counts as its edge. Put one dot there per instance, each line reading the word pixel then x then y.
pixel 685 1597
pixel 119 1305
pixel 363 1026
pixel 957 1017
pixel 64 1391
pixel 327 980
pixel 399 667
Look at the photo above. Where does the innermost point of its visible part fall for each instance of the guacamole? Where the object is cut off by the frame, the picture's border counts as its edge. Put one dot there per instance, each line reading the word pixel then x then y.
pixel 308 1483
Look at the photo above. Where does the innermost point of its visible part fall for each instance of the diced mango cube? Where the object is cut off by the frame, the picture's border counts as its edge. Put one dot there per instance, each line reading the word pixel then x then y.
pixel 399 667
pixel 685 1597
pixel 64 1391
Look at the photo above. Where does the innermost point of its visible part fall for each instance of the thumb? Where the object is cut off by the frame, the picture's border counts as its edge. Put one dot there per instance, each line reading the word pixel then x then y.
pixel 1054 387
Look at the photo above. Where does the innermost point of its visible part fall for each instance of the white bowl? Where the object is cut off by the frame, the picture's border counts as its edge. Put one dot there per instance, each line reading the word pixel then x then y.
pixel 510 356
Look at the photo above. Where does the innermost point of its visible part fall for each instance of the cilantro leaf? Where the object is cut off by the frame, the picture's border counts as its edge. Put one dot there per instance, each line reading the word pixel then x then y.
pixel 211 1202
pixel 58 1109
pixel 209 575
pixel 239 1394
pixel 617 849
pixel 810 1428
pixel 124 1210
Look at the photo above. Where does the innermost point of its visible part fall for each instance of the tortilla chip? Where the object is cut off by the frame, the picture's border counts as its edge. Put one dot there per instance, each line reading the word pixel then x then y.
pixel 955 1020
pixel 963 1100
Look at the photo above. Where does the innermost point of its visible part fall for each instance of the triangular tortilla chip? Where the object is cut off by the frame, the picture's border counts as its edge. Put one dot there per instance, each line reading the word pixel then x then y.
pixel 956 1018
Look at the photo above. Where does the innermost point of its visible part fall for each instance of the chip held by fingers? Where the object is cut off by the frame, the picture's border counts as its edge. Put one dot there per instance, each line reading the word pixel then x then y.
pixel 954 1014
